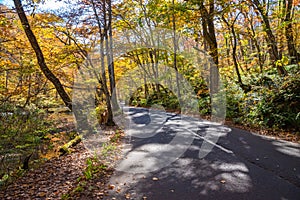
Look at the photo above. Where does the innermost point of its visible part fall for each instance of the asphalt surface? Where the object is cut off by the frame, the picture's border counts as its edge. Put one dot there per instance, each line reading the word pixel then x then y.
pixel 171 157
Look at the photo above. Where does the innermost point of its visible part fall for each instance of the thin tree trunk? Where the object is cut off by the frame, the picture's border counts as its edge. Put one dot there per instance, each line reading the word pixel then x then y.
pixel 234 58
pixel 40 57
pixel 294 55
pixel 253 37
pixel 271 40
pixel 175 53
pixel 6 79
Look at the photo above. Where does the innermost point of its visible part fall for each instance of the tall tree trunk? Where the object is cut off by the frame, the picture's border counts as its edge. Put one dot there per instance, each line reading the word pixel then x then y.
pixel 209 35
pixel 110 121
pixel 209 29
pixel 175 53
pixel 271 40
pixel 294 55
pixel 40 57
pixel 234 57
pixel 152 53
pixel 111 67
pixel 257 46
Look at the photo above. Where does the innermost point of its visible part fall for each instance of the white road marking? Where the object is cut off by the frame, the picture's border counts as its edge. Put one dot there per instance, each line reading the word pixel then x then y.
pixel 210 142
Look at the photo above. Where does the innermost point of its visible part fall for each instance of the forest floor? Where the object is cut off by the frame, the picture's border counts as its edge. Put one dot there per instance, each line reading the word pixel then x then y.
pixel 78 175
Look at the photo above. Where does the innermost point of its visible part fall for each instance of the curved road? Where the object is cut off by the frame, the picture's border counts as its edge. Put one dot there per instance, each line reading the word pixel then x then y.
pixel 171 157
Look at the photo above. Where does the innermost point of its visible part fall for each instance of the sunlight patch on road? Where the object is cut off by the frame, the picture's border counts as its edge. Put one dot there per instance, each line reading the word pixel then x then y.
pixel 232 177
pixel 235 176
pixel 236 181
pixel 231 167
pixel 154 156
pixel 287 148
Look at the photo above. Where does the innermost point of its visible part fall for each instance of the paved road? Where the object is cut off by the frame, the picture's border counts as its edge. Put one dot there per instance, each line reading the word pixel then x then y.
pixel 174 162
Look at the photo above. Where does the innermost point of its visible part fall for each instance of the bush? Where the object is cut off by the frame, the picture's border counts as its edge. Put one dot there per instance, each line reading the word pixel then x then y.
pixel 234 99
pixel 163 97
pixel 22 131
pixel 283 106
pixel 267 105
pixel 204 105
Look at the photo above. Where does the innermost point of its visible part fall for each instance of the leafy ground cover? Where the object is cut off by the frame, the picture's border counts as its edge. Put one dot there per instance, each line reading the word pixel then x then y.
pixel 51 175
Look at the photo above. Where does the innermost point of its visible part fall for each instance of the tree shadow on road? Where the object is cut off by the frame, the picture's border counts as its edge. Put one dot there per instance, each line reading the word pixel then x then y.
pixel 258 168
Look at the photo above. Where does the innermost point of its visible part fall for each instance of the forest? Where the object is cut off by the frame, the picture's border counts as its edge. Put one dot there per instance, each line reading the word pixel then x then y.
pixel 82 58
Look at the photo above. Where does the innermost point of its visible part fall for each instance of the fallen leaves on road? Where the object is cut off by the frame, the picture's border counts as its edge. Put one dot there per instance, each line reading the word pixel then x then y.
pixel 111 187
pixel 222 181
pixel 118 189
pixel 127 196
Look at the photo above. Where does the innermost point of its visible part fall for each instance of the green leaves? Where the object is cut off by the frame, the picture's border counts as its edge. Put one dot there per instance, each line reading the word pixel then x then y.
pixel 267 106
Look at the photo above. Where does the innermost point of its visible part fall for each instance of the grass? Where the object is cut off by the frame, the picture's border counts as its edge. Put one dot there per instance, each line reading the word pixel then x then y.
pixel 94 171
pixel 107 148
pixel 116 137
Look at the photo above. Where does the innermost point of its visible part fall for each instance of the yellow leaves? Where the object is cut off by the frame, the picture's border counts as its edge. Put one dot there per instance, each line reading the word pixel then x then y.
pixel 244 42
pixel 17 48
pixel 282 62
pixel 49 155
pixel 5 62
pixel 45 18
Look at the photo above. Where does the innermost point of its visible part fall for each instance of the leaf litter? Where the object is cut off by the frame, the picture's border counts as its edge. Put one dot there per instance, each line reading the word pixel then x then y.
pixel 63 178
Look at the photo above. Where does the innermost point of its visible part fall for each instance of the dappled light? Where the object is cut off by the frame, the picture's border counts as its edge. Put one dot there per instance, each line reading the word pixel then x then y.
pixel 150 99
pixel 290 149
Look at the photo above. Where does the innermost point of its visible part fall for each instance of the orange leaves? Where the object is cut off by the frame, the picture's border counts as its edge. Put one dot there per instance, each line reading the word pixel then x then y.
pixel 111 187
pixel 296 2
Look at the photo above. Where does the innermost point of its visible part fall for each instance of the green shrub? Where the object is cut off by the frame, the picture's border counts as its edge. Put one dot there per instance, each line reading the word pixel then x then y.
pixel 22 131
pixel 204 105
pixel 268 104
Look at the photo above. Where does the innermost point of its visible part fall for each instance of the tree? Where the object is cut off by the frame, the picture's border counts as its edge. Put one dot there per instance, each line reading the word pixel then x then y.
pixel 103 32
pixel 40 57
pixel 294 55
pixel 208 27
pixel 271 40
pixel 234 52
pixel 92 22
